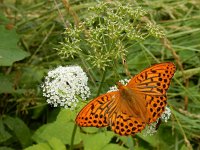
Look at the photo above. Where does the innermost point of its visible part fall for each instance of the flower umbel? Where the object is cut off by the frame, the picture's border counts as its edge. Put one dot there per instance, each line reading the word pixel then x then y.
pixel 64 85
pixel 107 34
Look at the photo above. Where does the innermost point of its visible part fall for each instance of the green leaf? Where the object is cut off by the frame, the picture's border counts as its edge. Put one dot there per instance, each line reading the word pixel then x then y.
pixel 9 51
pixel 91 130
pixel 41 146
pixel 97 141
pixel 114 146
pixel 53 144
pixel 56 144
pixel 128 141
pixel 20 130
pixel 61 129
pixel 4 135
pixel 66 115
pixel 6 85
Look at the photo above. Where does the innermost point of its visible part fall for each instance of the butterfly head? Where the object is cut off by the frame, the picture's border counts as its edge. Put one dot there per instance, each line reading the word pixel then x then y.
pixel 124 90
pixel 120 85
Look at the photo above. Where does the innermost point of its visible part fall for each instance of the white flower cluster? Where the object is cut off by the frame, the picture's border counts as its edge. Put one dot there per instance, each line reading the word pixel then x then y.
pixel 166 114
pixel 114 88
pixel 64 85
pixel 151 128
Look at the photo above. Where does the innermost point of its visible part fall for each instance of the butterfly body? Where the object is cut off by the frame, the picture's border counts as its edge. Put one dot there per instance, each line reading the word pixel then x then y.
pixel 132 106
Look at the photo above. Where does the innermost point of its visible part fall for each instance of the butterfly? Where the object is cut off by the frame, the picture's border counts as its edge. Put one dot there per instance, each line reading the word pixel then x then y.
pixel 133 106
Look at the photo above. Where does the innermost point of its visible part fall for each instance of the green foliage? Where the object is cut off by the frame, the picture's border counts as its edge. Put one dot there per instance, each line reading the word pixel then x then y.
pixel 50 144
pixel 14 128
pixel 6 84
pixel 19 129
pixel 57 134
pixel 105 34
pixel 4 135
pixel 61 129
pixel 9 51
pixel 99 140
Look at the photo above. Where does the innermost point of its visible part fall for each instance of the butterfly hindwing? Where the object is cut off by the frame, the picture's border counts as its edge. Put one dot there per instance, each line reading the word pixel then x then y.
pixel 124 124
pixel 155 107
pixel 95 113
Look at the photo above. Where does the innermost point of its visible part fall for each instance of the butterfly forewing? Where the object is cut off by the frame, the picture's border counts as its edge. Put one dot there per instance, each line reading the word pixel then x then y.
pixel 153 83
pixel 154 80
pixel 95 114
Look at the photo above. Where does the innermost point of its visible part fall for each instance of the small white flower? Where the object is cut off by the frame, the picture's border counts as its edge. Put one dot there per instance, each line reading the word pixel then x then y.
pixel 166 114
pixel 63 85
pixel 114 88
pixel 151 128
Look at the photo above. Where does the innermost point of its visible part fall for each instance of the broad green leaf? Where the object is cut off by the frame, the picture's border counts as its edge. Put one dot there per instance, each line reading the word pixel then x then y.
pixel 91 130
pixel 66 115
pixel 20 130
pixel 9 51
pixel 53 144
pixel 56 144
pixel 4 135
pixel 61 129
pixel 114 147
pixel 40 146
pixel 97 141
pixel 58 130
pixel 127 140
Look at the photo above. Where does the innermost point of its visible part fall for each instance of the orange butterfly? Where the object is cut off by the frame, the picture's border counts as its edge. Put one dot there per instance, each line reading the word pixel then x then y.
pixel 128 110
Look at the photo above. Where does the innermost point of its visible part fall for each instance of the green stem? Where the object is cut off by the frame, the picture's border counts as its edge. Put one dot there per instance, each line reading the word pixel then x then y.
pixel 73 137
pixel 101 84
